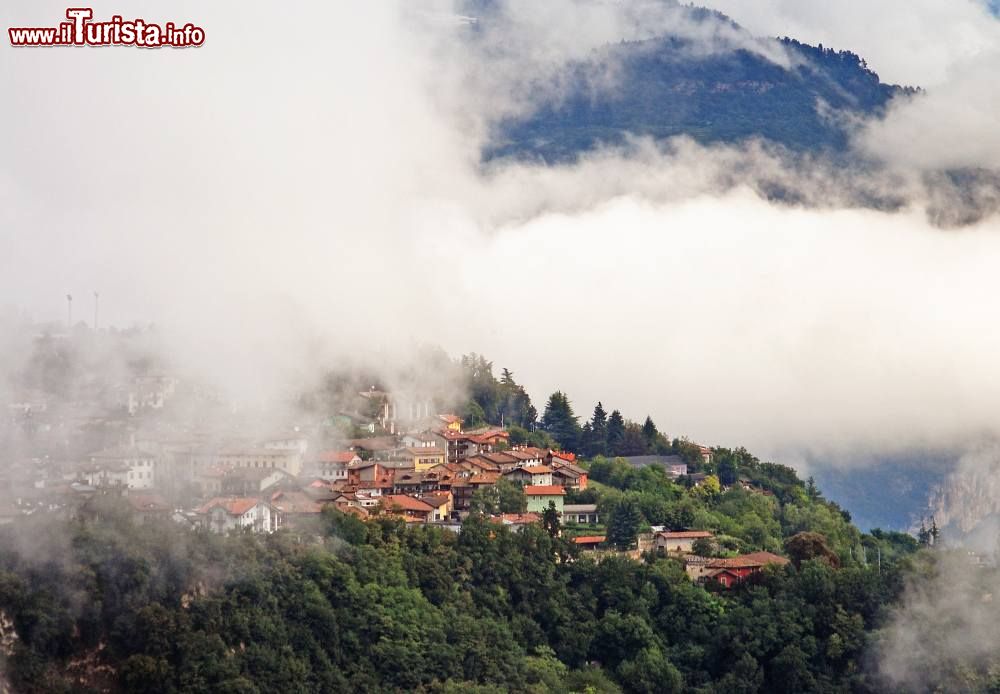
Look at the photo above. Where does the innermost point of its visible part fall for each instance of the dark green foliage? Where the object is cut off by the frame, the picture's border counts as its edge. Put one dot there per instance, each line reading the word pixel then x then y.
pixel 561 423
pixel 503 497
pixel 379 606
pixel 492 401
pixel 623 526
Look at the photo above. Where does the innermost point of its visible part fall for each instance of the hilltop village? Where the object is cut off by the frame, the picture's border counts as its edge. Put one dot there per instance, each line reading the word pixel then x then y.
pixel 373 455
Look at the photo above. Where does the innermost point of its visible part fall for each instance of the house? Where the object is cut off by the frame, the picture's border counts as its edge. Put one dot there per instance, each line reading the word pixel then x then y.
pixel 131 467
pixel 568 475
pixel 559 456
pixel 333 464
pixel 519 520
pixel 249 481
pixel 501 459
pixel 295 507
pixel 731 571
pixel 409 482
pixel 457 444
pixel 423 457
pixel 528 455
pixel 478 464
pixel 289 460
pixel 223 514
pixel 587 542
pixel 149 507
pixel 451 422
pixel 419 440
pixel 370 471
pixel 442 504
pixel 537 475
pixel 540 496
pixel 697 567
pixel 679 541
pixel 409 508
pixel 489 439
pixel 581 513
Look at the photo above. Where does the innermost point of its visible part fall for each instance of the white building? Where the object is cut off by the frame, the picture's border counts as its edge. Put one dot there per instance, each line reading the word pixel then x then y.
pixel 132 467
pixel 222 515
pixel 283 459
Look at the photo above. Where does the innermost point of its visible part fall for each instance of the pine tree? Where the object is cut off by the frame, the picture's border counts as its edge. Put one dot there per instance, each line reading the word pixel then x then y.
pixel 596 439
pixel 650 432
pixel 616 433
pixel 923 535
pixel 560 421
pixel 550 520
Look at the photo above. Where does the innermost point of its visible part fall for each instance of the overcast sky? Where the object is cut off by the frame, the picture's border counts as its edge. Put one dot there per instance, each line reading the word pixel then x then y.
pixel 306 185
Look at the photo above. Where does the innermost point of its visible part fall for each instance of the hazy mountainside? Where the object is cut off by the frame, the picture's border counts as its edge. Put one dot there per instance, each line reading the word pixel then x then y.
pixel 890 493
pixel 959 491
pixel 727 90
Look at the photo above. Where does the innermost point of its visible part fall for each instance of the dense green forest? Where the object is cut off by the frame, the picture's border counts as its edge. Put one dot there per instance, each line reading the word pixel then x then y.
pixel 378 606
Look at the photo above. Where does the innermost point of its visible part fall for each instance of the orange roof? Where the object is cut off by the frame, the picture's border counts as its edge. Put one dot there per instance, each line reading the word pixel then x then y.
pixel 748 561
pixel 685 534
pixel 544 490
pixel 589 539
pixel 232 505
pixel 537 469
pixel 485 478
pixel 564 455
pixel 406 503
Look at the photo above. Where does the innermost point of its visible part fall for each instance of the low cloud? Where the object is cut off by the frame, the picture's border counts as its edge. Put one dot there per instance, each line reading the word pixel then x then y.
pixel 277 205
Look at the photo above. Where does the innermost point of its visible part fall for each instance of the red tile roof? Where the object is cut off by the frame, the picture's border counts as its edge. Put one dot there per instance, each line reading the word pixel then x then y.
pixel 544 490
pixel 589 539
pixel 685 534
pixel 405 503
pixel 748 561
pixel 233 506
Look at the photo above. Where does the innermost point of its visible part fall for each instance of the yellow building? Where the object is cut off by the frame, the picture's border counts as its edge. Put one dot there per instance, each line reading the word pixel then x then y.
pixel 424 457
pixel 451 422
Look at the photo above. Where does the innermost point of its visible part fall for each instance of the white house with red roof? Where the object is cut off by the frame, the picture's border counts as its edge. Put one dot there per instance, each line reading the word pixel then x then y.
pixel 224 514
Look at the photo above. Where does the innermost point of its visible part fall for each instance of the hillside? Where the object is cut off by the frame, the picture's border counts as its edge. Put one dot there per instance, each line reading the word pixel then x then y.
pixel 672 85
pixel 104 602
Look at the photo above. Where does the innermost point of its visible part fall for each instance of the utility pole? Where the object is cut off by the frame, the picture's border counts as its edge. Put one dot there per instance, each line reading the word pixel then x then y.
pixel 69 311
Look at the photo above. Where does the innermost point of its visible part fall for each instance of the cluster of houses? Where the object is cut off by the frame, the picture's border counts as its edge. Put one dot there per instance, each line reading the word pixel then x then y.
pixel 726 571
pixel 428 475
pixel 423 469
